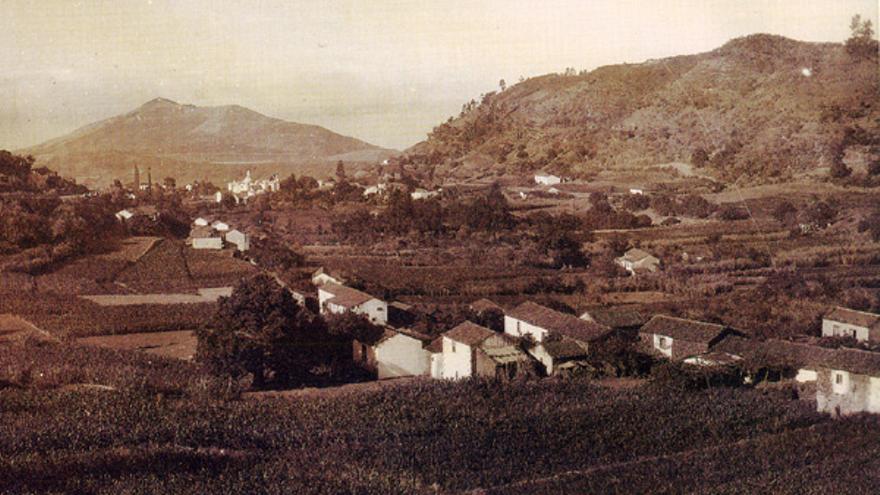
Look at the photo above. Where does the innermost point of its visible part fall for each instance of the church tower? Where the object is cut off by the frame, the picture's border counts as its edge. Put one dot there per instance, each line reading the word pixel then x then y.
pixel 149 180
pixel 136 185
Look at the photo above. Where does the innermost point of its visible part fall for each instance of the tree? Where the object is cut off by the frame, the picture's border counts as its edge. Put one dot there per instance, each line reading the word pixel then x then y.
pixel 502 85
pixel 353 326
pixel 861 43
pixel 785 213
pixel 260 331
pixel 340 170
pixel 169 183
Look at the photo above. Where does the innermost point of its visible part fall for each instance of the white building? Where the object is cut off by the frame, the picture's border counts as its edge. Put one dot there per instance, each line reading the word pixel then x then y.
pixel 337 299
pixel 200 222
pixel 123 215
pixel 205 238
pixel 538 321
pixel 849 382
pixel 248 187
pixel 220 226
pixel 472 350
pixel 636 260
pixel 324 275
pixel 398 353
pixel 844 322
pixel 547 179
pixel 637 192
pixel 423 194
pixel 239 239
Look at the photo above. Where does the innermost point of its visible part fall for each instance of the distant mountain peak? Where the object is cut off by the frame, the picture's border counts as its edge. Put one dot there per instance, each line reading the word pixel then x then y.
pixel 160 102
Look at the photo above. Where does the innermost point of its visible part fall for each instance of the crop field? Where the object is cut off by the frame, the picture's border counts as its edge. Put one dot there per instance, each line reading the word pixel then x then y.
pixel 425 437
pixel 176 344
pixel 204 295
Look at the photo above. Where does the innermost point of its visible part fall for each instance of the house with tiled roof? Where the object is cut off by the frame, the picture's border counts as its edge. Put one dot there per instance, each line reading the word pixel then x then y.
pixel 397 353
pixel 203 237
pixel 679 338
pixel 844 322
pixel 558 355
pixel 337 299
pixel 637 261
pixel 540 321
pixel 323 275
pixel 473 350
pixel 845 381
pixel 483 305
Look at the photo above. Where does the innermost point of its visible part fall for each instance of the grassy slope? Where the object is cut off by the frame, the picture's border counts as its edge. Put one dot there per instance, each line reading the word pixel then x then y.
pixel 749 96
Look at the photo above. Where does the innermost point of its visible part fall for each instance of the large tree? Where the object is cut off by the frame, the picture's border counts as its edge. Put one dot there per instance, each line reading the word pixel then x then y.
pixel 261 331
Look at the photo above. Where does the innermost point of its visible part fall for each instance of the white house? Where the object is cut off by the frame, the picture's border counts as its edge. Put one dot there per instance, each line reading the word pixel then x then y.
pixel 205 238
pixel 849 382
pixel 472 350
pixel 538 321
pixel 636 261
pixel 635 191
pixel 324 275
pixel 218 197
pixel 239 239
pixel 398 353
pixel 423 194
pixel 844 322
pixel 123 215
pixel 337 299
pixel 200 222
pixel 220 226
pixel 373 190
pixel 547 179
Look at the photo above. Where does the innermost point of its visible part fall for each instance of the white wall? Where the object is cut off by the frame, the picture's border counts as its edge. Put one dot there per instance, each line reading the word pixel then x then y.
pixel 806 375
pixel 874 395
pixel 843 386
pixel 538 352
pixel 832 328
pixel 207 243
pixel 401 355
pixel 547 179
pixel 666 348
pixel 518 328
pixel 437 365
pixel 456 359
pixel 374 309
pixel 323 296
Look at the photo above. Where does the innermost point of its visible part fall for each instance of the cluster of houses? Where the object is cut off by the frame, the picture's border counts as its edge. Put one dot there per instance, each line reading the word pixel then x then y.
pixel 244 189
pixel 537 340
pixel 209 233
pixel 384 188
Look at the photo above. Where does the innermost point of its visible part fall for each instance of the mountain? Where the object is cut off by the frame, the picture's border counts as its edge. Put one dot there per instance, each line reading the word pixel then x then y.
pixel 193 143
pixel 761 108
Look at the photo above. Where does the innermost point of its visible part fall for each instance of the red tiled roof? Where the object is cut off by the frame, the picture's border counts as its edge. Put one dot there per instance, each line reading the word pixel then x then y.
pixel 484 304
pixel 556 322
pixel 853 317
pixel 617 317
pixel 682 329
pixel 469 333
pixel 345 296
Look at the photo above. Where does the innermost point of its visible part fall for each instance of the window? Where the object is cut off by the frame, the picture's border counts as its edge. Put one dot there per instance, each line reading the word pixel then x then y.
pixel 518 331
pixel 453 348
pixel 852 333
pixel 663 342
pixel 835 330
pixel 838 379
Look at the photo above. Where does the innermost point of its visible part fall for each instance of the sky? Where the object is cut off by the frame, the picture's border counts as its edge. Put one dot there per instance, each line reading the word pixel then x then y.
pixel 386 71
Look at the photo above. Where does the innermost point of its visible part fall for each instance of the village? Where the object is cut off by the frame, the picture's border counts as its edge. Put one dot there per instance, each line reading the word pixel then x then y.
pixel 532 340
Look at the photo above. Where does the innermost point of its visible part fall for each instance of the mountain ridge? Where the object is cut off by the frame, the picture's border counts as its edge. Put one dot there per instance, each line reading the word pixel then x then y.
pixel 760 108
pixel 186 141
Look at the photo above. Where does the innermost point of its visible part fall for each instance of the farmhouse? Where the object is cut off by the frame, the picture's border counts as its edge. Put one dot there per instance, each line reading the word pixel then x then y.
pixel 860 325
pixel 635 261
pixel 336 299
pixel 239 239
pixel 472 350
pixel 324 275
pixel 399 352
pixel 200 222
pixel 547 179
pixel 849 382
pixel 560 355
pixel 776 359
pixel 482 306
pixel 678 338
pixel 205 238
pixel 123 215
pixel 538 321
pixel 220 226
pixel 248 187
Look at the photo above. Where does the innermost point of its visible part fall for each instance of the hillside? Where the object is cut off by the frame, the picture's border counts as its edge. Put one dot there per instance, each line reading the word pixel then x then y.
pixel 190 142
pixel 759 109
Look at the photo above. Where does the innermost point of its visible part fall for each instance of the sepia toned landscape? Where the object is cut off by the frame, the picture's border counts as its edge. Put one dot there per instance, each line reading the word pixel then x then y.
pixel 652 276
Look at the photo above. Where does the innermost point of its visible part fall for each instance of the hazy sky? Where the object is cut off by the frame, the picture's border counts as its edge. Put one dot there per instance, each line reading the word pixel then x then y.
pixel 385 71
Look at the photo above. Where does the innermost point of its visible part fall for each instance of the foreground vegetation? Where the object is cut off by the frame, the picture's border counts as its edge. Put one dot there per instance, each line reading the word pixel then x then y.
pixel 172 432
